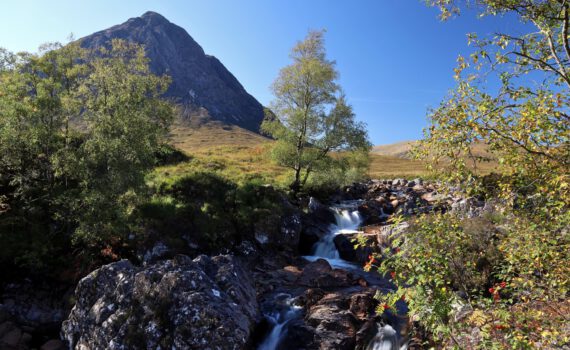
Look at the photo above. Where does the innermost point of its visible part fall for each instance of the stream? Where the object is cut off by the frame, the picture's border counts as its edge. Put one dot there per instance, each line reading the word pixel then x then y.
pixel 282 312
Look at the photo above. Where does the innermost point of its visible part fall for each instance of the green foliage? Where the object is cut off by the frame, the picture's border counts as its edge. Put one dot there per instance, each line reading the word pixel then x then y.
pixel 78 132
pixel 215 211
pixel 169 155
pixel 498 268
pixel 526 126
pixel 505 275
pixel 312 118
pixel 341 171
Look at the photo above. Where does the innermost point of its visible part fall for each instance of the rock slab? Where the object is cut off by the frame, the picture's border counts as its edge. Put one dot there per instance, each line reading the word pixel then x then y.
pixel 205 303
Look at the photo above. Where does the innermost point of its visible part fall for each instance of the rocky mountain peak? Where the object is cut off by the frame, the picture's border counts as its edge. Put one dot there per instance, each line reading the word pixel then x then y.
pixel 201 84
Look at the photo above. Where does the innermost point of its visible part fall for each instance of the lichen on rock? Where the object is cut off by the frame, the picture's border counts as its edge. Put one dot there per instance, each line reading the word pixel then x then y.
pixel 206 303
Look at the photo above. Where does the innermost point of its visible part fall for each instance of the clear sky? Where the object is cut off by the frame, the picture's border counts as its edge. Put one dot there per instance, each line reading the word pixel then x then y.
pixel 395 57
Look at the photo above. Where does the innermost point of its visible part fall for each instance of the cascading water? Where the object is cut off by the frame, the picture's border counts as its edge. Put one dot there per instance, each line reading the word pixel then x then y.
pixel 282 313
pixel 348 220
pixel 386 339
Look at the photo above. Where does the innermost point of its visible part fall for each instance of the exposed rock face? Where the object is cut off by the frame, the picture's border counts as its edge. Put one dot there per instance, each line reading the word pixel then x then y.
pixel 179 303
pixel 315 225
pixel 200 83
pixel 279 231
pixel 320 274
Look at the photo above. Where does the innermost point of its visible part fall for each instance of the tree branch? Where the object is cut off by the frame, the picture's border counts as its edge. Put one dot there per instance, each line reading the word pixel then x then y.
pixel 544 64
pixel 565 31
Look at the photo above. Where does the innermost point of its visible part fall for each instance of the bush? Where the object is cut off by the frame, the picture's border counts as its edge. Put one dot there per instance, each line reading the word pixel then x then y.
pixel 503 274
pixel 217 212
pixel 169 155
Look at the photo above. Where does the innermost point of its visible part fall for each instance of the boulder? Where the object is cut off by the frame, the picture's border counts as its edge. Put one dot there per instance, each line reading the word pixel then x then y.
pixel 179 303
pixel 54 344
pixel 321 212
pixel 320 274
pixel 372 211
pixel 334 324
pixel 346 250
pixel 36 307
pixel 278 231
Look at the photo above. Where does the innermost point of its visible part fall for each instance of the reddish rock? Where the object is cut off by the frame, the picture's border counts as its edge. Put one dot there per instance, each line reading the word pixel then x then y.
pixel 362 305
pixel 321 275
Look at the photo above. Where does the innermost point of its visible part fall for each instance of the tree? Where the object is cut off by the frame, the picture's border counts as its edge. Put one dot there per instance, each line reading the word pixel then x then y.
pixel 78 132
pixel 507 269
pixel 126 120
pixel 526 123
pixel 312 118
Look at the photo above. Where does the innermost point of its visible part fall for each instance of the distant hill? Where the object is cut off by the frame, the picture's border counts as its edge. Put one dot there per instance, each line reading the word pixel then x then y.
pixel 201 84
pixel 387 158
pixel 403 149
pixel 398 150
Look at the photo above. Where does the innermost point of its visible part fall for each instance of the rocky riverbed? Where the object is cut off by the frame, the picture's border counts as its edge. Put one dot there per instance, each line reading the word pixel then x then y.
pixel 278 290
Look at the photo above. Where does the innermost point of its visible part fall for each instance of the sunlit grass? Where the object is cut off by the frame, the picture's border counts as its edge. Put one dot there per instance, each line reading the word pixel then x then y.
pixel 243 156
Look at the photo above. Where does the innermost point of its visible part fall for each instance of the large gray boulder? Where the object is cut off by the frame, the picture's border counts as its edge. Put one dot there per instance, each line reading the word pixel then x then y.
pixel 205 303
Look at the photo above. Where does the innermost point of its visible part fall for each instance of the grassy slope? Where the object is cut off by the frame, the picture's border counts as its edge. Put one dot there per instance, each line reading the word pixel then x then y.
pixel 232 152
pixel 239 155
pixel 398 149
pixel 211 135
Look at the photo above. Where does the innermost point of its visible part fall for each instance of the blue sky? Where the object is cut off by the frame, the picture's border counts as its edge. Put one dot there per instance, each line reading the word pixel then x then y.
pixel 395 57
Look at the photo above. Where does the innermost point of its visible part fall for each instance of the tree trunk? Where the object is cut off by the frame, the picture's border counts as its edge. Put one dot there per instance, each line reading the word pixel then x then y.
pixel 296 185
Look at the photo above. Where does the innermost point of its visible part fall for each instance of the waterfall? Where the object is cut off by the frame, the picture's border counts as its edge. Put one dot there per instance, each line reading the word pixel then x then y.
pixel 348 220
pixel 279 320
pixel 386 339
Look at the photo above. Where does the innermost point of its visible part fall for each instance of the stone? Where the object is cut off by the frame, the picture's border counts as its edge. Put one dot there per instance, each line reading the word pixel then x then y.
pixel 362 305
pixel 157 252
pixel 320 274
pixel 6 327
pixel 372 212
pixel 312 230
pixel 321 212
pixel 177 303
pixel 346 250
pixel 54 344
pixel 281 232
pixel 12 338
pixel 335 326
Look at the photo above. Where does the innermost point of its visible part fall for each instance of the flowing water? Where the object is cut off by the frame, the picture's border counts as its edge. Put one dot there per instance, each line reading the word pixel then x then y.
pixel 348 220
pixel 282 313
pixel 386 339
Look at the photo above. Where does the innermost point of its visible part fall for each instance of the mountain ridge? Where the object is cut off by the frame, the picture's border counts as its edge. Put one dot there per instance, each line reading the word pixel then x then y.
pixel 204 88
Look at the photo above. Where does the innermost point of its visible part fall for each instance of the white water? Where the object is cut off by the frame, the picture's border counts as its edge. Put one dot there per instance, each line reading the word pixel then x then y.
pixel 279 320
pixel 386 339
pixel 348 220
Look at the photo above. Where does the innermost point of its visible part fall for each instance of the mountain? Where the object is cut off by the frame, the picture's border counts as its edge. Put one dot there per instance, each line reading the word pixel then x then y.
pixel 201 84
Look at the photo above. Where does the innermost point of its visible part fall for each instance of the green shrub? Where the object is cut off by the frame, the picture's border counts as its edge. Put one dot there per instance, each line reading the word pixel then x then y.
pixel 215 211
pixel 504 269
pixel 169 155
